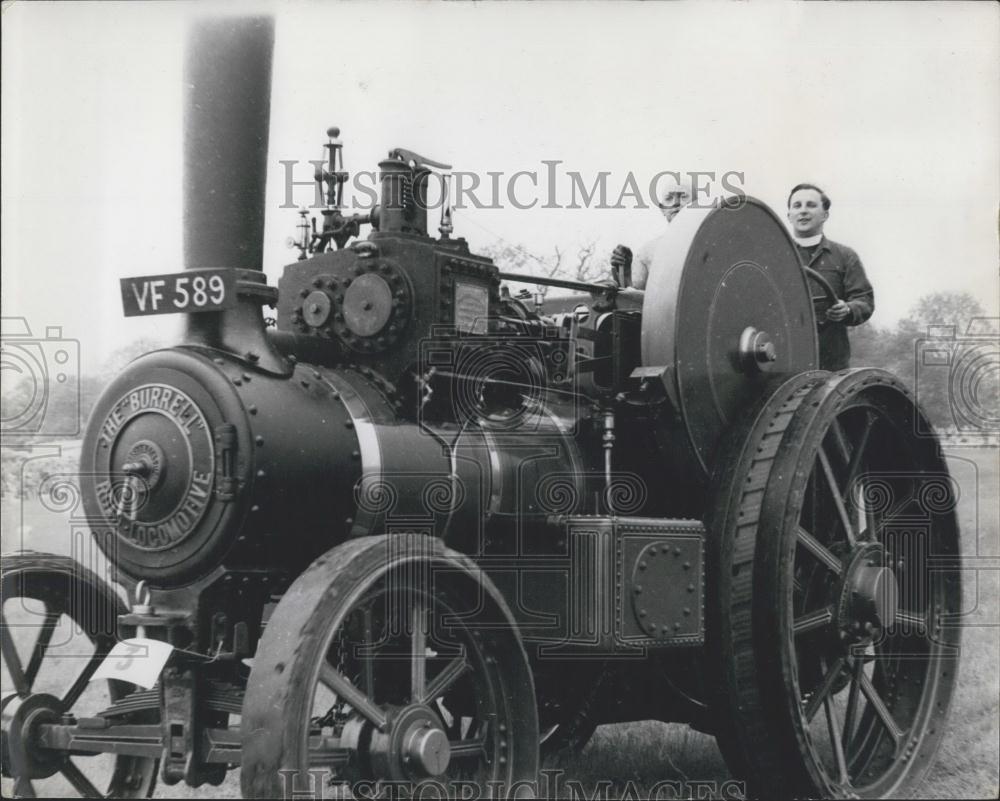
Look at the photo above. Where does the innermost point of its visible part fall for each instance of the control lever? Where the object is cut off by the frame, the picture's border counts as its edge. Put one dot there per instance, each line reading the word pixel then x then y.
pixel 415 160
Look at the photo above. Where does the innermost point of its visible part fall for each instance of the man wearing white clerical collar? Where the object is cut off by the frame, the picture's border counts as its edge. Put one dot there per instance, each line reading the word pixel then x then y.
pixel 808 211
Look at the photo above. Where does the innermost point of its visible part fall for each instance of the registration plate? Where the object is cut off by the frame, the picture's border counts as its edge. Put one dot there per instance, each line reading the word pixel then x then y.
pixel 189 291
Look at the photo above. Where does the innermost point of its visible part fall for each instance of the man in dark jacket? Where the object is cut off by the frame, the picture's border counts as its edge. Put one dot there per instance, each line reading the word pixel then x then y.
pixel 808 211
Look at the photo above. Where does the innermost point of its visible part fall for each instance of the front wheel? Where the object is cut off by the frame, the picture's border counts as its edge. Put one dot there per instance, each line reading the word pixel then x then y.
pixel 390 661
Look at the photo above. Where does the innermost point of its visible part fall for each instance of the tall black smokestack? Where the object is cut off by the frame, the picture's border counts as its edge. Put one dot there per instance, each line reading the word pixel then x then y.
pixel 227 110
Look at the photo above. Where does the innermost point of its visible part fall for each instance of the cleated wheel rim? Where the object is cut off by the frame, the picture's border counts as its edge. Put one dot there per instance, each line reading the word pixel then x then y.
pixel 58 623
pixel 845 587
pixel 390 665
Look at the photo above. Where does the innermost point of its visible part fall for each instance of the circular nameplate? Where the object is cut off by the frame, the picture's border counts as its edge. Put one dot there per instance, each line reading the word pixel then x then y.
pixel 157 459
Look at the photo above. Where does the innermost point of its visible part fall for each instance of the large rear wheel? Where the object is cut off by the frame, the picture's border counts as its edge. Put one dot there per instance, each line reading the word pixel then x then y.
pixel 841 554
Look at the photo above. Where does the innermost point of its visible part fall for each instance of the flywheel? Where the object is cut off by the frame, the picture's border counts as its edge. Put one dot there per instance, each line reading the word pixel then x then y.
pixel 836 563
pixel 727 307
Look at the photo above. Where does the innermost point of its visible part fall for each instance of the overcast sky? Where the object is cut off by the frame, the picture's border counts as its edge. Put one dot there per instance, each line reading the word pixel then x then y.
pixel 893 107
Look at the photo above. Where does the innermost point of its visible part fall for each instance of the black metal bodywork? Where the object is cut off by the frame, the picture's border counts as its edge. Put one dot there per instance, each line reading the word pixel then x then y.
pixel 449 413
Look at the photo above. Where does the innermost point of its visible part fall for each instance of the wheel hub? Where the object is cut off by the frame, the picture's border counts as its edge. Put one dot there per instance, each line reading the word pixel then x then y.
pixel 868 595
pixel 427 749
pixel 413 746
pixel 757 351
pixel 21 718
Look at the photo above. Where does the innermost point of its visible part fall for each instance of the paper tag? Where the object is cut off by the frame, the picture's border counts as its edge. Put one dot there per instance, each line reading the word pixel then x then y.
pixel 137 661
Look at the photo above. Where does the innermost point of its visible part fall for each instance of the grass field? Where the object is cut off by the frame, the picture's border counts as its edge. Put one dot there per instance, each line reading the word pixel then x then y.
pixel 967 765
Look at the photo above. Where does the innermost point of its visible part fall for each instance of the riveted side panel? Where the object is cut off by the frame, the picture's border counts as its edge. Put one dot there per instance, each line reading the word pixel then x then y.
pixel 661 571
pixel 619 585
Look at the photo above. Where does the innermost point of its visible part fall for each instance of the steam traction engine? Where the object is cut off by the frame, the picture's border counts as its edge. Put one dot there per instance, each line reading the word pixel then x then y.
pixel 422 531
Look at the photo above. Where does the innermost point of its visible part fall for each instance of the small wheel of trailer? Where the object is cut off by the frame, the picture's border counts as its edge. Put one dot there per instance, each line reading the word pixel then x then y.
pixel 836 646
pixel 59 621
pixel 391 660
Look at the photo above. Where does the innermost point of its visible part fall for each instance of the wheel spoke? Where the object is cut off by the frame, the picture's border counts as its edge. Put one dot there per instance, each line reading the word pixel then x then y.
pixel 838 498
pixel 41 646
pixel 881 710
pixel 474 742
pixel 368 655
pixel 418 655
pixel 870 523
pixel 859 449
pixel 80 782
pixel 913 620
pixel 824 689
pixel 837 430
pixel 904 506
pixel 852 701
pixel 813 620
pixel 448 676
pixel 76 690
pixel 12 660
pixel 835 737
pixel 820 551
pixel 352 696
pixel 466 749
